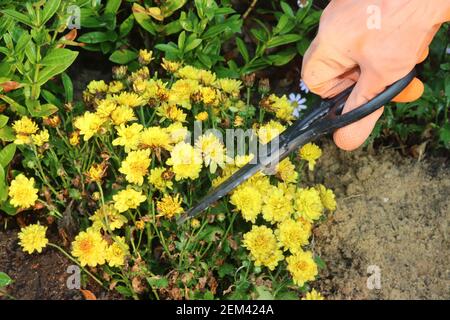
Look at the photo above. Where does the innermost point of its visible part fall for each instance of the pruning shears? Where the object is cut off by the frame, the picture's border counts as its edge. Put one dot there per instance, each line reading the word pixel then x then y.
pixel 323 119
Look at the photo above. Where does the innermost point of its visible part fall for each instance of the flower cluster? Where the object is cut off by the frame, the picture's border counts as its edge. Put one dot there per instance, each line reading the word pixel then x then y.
pixel 131 166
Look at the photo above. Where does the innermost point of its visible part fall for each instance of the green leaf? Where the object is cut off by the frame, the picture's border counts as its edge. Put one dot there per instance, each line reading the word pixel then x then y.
pixel 54 69
pixel 39 111
pixel 4 280
pixel 98 37
pixel 283 24
pixel 158 282
pixel 50 8
pixel 444 134
pixel 243 49
pixel 283 57
pixel 112 6
pixel 123 56
pixel 8 208
pixel 145 22
pixel 68 87
pixel 51 98
pixel 287 9
pixel 126 26
pixel 124 291
pixel 320 263
pixel 16 107
pixel 168 48
pixel 7 134
pixel 226 269
pixel 181 40
pixel 3 186
pixel 192 45
pixel 56 56
pixel 264 293
pixel 20 17
pixel 282 40
pixel 3 120
pixel 7 154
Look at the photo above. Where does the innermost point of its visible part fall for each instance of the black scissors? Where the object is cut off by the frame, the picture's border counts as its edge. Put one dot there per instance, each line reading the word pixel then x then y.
pixel 324 118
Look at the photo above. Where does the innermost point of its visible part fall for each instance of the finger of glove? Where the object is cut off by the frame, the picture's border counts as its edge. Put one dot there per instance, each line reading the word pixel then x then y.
pixel 353 136
pixel 326 72
pixel 411 93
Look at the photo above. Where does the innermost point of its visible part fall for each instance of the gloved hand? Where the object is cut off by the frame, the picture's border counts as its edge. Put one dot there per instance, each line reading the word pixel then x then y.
pixel 373 43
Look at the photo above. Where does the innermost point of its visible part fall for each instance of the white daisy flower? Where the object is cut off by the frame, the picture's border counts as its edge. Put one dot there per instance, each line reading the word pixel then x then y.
pixel 303 86
pixel 299 104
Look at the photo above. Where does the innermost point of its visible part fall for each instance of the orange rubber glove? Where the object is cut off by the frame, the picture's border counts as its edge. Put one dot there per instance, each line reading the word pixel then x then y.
pixel 373 43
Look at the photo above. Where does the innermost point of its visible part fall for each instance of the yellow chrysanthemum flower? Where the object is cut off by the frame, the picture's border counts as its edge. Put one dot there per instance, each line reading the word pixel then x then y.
pixel 207 77
pixel 212 150
pixel 145 56
pixel 105 108
pixel 189 72
pixel 96 172
pixel 327 196
pixel 186 161
pixel 171 112
pixel 129 99
pixel 263 247
pixel 208 95
pixel 89 124
pixel 169 206
pixel 177 132
pixel 292 234
pixel 181 91
pixel 40 138
pixel 159 179
pixel 269 131
pixel 107 218
pixel 195 223
pixel 277 207
pixel 308 203
pixel 230 86
pixel 116 87
pixel 135 166
pixel 282 107
pixel 302 267
pixel 310 152
pixel 128 136
pixel 32 238
pixel 202 116
pixel 90 248
pixel 285 170
pixel 122 114
pixel 22 192
pixel 117 252
pixel 128 199
pixel 170 66
pixel 74 138
pixel 95 87
pixel 313 295
pixel 24 128
pixel 248 200
pixel 156 138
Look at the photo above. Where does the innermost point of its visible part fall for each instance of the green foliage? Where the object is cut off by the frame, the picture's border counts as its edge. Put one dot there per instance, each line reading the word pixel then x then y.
pixel 31 54
pixel 203 33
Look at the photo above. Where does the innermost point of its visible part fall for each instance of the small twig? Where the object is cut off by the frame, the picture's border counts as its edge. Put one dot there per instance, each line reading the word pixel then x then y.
pixel 252 6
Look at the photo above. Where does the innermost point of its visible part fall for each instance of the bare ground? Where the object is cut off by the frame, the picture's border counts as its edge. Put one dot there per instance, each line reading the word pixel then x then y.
pixel 392 213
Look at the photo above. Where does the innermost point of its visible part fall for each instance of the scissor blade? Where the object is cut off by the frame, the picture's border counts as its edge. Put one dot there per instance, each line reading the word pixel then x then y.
pixel 289 141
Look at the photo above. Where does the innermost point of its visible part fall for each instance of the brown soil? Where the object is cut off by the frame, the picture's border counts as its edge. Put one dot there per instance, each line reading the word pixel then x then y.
pixel 40 276
pixel 393 213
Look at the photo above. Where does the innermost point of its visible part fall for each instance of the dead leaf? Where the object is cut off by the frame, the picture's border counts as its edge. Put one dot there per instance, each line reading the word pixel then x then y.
pixel 88 295
pixel 10 86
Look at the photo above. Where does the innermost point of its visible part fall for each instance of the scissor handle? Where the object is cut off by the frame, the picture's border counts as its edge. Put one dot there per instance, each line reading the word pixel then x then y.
pixel 340 120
